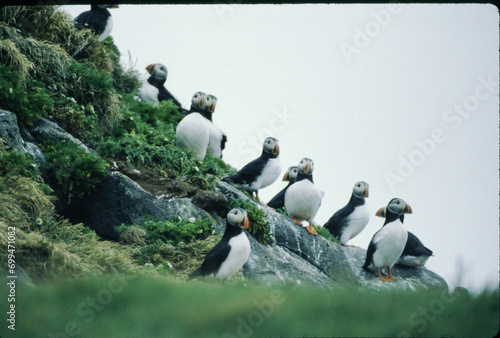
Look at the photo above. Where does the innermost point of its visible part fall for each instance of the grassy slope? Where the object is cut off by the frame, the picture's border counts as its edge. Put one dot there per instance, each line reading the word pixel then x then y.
pixel 157 307
pixel 66 260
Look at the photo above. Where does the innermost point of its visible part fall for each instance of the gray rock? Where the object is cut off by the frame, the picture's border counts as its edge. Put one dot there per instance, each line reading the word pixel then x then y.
pixel 19 139
pixel 272 264
pixel 9 131
pixel 343 265
pixel 47 130
pixel 119 200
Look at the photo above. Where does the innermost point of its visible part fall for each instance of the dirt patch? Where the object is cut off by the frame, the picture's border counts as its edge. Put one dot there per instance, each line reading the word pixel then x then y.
pixel 169 186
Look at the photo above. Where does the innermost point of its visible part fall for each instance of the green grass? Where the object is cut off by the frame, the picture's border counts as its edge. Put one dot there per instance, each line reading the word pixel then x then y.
pixel 259 227
pixel 150 306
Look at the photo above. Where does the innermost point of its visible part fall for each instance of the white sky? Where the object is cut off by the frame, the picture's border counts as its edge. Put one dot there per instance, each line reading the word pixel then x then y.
pixel 360 89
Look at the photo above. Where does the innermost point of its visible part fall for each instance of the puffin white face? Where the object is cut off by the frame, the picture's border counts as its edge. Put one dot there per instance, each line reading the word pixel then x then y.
pixel 238 217
pixel 396 206
pixel 291 174
pixel 360 189
pixel 210 103
pixel 198 100
pixel 306 166
pixel 271 146
pixel 157 70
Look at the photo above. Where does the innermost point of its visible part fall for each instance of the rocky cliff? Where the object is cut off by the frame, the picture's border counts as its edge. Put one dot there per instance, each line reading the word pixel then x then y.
pixel 295 257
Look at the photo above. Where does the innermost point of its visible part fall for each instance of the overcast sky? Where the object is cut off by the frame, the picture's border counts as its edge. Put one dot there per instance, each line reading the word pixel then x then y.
pixel 404 97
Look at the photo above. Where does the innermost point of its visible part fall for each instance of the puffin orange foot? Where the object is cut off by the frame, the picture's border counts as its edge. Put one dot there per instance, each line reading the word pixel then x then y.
pixel 311 230
pixel 297 221
pixel 390 275
pixel 351 246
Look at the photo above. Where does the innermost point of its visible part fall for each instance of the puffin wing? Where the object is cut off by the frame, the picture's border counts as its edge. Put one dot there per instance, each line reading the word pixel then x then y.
pixel 369 254
pixel 278 201
pixel 339 221
pixel 164 95
pixel 415 247
pixel 223 142
pixel 248 173
pixel 91 20
pixel 213 260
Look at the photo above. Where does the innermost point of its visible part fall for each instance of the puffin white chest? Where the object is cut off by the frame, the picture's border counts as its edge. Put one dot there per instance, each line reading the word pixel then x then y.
pixel 237 257
pixel 192 133
pixel 269 174
pixel 302 200
pixel 149 93
pixel 107 29
pixel 357 222
pixel 390 242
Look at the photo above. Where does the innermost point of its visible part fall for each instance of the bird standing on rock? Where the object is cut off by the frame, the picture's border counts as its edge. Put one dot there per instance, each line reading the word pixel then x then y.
pixel 193 131
pixel 218 139
pixel 259 173
pixel 233 250
pixel 278 201
pixel 388 243
pixel 349 221
pixel 415 253
pixel 303 198
pixel 153 90
pixel 98 19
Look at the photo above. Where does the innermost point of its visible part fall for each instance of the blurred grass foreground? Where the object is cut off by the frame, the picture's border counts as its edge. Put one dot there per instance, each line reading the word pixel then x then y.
pixel 155 306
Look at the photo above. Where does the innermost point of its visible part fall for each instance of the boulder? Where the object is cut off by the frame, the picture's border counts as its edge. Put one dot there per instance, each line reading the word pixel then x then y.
pixel 270 264
pixel 47 130
pixel 343 265
pixel 19 139
pixel 119 200
pixel 9 131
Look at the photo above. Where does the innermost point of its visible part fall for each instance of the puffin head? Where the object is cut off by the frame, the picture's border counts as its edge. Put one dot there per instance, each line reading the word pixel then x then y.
pixel 360 189
pixel 291 174
pixel 157 70
pixel 198 100
pixel 271 146
pixel 238 217
pixel 211 101
pixel 306 166
pixel 396 206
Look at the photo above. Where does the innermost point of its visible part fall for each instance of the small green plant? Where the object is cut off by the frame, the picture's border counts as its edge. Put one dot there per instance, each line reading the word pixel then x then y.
pixel 326 234
pixel 17 163
pixel 174 230
pixel 71 170
pixel 29 104
pixel 282 211
pixel 259 227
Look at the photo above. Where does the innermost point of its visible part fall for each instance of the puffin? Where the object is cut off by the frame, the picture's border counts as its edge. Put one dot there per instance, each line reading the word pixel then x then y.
pixel 278 201
pixel 218 138
pixel 98 19
pixel 349 221
pixel 259 173
pixel 303 198
pixel 388 243
pixel 415 253
pixel 232 252
pixel 153 90
pixel 193 131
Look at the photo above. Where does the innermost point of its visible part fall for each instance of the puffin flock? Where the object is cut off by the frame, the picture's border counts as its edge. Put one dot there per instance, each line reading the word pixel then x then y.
pixel 301 199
